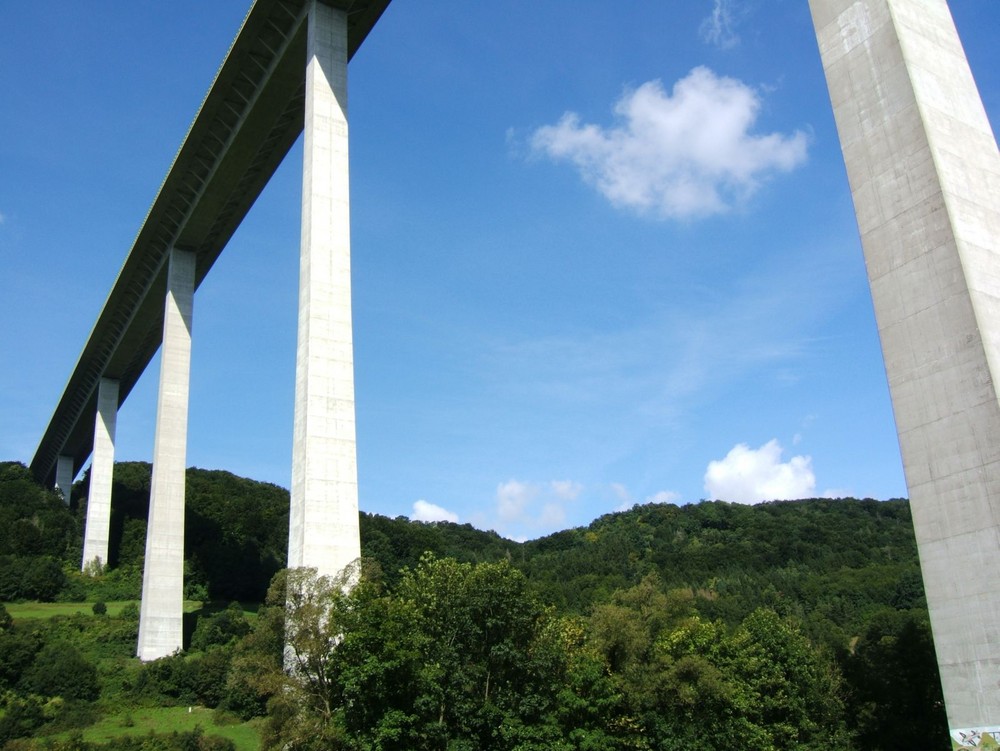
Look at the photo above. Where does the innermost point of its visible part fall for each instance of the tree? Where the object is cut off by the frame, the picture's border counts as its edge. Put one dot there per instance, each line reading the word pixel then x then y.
pixel 305 708
pixel 762 684
pixel 60 670
pixel 21 717
pixel 458 656
pixel 792 691
pixel 894 698
pixel 18 648
pixel 222 628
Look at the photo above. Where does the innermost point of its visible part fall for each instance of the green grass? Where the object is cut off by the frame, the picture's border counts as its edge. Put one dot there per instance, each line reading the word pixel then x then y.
pixel 167 720
pixel 26 610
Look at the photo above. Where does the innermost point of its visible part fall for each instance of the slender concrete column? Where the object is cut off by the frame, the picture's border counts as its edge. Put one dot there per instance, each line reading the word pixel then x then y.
pixel 323 525
pixel 96 532
pixel 925 176
pixel 161 612
pixel 64 476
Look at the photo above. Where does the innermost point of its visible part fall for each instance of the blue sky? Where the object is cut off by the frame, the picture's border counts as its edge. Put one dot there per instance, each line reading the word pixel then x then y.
pixel 604 253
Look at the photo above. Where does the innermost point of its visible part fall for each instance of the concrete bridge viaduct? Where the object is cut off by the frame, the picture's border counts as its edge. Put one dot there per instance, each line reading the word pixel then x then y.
pixel 285 73
pixel 924 172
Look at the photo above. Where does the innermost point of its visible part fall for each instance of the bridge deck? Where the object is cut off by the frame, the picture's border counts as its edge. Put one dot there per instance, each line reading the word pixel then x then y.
pixel 250 118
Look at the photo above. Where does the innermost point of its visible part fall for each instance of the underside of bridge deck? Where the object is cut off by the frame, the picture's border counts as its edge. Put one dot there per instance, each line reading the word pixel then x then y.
pixel 247 122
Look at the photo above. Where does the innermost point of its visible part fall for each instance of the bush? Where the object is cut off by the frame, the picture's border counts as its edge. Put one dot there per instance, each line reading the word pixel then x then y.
pixel 17 651
pixel 223 628
pixel 72 590
pixel 208 676
pixel 121 583
pixel 60 670
pixel 100 608
pixel 30 578
pixel 169 677
pixel 68 715
pixel 22 716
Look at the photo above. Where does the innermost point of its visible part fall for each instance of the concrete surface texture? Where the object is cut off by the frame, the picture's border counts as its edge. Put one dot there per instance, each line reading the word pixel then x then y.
pixel 323 523
pixel 162 606
pixel 249 120
pixel 924 172
pixel 64 477
pixel 98 525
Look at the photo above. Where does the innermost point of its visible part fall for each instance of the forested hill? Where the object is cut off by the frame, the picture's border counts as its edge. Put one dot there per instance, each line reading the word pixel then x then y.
pixel 663 597
pixel 830 560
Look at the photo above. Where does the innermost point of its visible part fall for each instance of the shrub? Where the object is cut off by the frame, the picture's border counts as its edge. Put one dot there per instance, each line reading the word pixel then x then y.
pixel 30 578
pixel 208 676
pixel 21 718
pixel 167 677
pixel 60 670
pixel 17 651
pixel 223 628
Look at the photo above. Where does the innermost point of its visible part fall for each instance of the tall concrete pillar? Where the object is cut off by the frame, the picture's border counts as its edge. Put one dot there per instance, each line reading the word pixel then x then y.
pixel 161 611
pixel 96 531
pixel 924 172
pixel 323 524
pixel 64 476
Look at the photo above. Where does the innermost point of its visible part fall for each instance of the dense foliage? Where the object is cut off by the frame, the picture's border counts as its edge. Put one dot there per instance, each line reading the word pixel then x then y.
pixel 235 530
pixel 833 558
pixel 36 535
pixel 462 656
pixel 794 625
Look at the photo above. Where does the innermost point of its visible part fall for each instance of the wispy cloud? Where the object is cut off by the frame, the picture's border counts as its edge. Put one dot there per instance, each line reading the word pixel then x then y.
pixel 679 155
pixel 513 498
pixel 719 28
pixel 664 496
pixel 566 489
pixel 531 509
pixel 670 361
pixel 431 512
pixel 749 475
pixel 626 501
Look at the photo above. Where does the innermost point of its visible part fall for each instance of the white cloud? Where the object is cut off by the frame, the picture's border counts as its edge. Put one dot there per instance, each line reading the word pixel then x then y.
pixel 533 508
pixel 680 155
pixel 431 512
pixel 718 28
pixel 512 497
pixel 836 493
pixel 552 515
pixel 625 501
pixel 749 475
pixel 664 496
pixel 566 489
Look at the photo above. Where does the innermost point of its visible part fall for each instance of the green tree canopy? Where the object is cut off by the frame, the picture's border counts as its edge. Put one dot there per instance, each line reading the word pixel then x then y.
pixel 59 669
